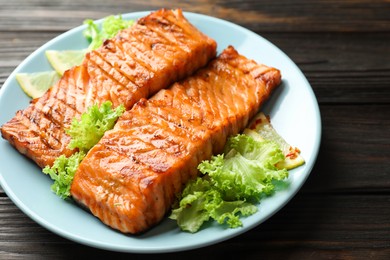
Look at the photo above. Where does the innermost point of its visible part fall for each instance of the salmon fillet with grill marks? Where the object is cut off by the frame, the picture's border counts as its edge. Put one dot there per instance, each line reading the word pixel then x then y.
pixel 156 51
pixel 130 178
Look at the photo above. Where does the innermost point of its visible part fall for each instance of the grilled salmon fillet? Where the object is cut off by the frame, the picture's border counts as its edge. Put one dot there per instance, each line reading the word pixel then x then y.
pixel 130 179
pixel 158 50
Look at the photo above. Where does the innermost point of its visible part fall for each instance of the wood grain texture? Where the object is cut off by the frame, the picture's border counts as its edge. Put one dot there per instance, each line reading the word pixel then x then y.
pixel 284 15
pixel 345 73
pixel 342 211
pixel 309 227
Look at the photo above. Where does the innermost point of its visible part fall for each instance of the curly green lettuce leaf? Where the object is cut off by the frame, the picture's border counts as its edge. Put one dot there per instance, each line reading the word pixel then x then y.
pixel 197 198
pixel 232 184
pixel 87 131
pixel 201 202
pixel 247 169
pixel 229 212
pixel 62 173
pixel 110 27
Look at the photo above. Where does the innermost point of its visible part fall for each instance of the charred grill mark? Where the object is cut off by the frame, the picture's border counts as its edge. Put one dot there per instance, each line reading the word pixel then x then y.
pixel 155 39
pixel 129 69
pixel 99 61
pixel 142 50
pixel 130 55
pixel 169 33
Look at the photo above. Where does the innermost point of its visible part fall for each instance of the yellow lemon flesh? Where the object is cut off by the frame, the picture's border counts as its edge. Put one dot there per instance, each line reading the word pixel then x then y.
pixel 262 129
pixel 61 61
pixel 36 84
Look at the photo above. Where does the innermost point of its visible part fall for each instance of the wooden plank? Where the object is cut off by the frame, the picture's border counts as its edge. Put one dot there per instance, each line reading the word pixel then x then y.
pixel 15 47
pixel 271 16
pixel 341 67
pixel 355 150
pixel 322 226
pixel 338 66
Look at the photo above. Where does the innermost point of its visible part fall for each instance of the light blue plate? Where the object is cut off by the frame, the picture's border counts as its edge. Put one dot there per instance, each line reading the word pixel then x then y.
pixel 294 112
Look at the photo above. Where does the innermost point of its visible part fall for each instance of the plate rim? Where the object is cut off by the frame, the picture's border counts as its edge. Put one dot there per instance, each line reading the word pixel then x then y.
pixel 73 237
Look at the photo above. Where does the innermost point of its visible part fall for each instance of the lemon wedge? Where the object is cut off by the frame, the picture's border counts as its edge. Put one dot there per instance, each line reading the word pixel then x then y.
pixel 261 129
pixel 37 83
pixel 64 60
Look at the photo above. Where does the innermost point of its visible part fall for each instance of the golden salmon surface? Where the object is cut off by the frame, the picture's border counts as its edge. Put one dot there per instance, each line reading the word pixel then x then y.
pixel 155 52
pixel 130 179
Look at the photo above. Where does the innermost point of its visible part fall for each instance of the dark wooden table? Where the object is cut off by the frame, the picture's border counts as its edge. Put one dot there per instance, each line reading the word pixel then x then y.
pixel 343 48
